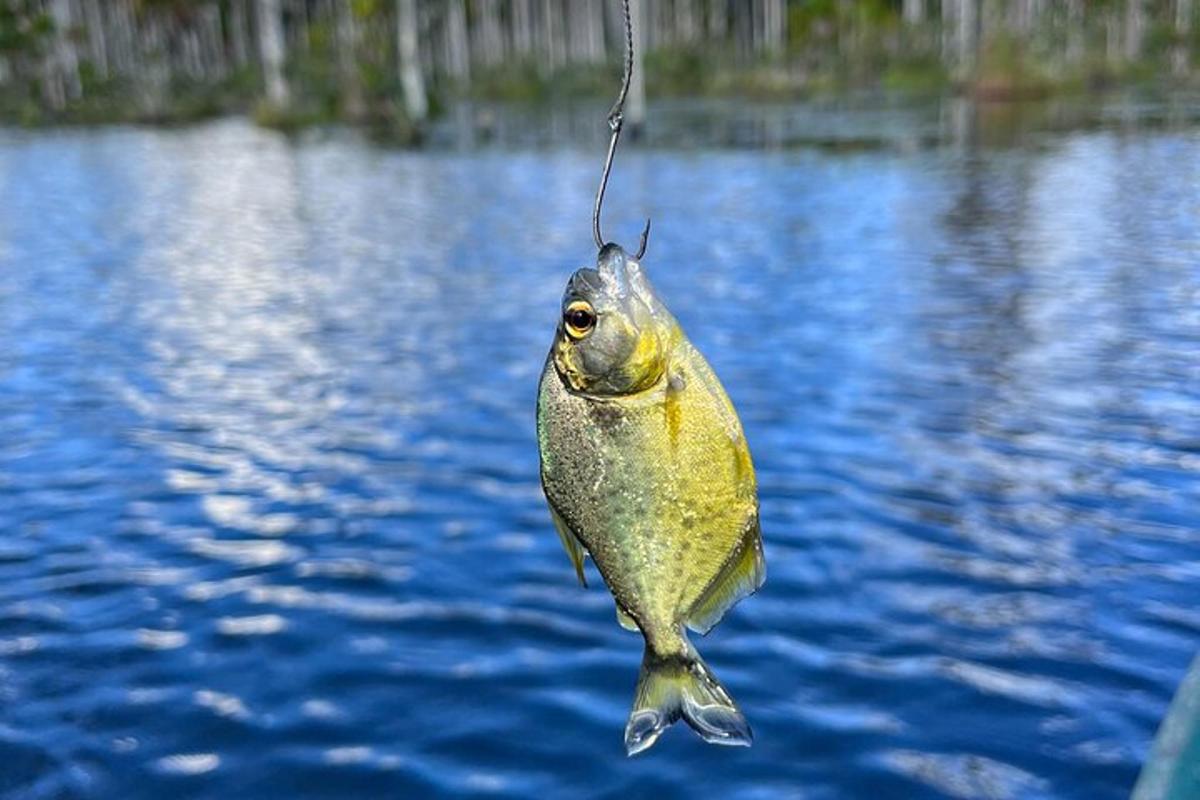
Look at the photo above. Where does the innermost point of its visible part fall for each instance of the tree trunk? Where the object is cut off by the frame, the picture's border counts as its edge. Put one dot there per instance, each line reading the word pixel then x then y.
pixel 62 68
pixel 659 30
pixel 416 104
pixel 153 66
pixel 122 45
pixel 966 38
pixel 718 19
pixel 271 52
pixel 303 14
pixel 585 24
pixel 772 30
pixel 688 21
pixel 1183 28
pixel 1135 25
pixel 216 67
pixel 914 11
pixel 553 47
pixel 743 30
pixel 1023 14
pixel 1075 31
pixel 97 41
pixel 488 41
pixel 458 53
pixel 521 27
pixel 1112 31
pixel 635 107
pixel 239 42
pixel 949 8
pixel 346 26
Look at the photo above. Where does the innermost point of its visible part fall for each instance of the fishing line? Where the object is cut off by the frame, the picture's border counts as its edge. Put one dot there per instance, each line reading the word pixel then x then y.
pixel 616 119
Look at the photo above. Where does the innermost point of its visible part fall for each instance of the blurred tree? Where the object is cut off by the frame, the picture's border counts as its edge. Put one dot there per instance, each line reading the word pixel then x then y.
pixel 488 45
pixel 914 12
pixel 1182 27
pixel 457 50
pixel 60 81
pixel 93 20
pixel 416 104
pixel 376 59
pixel 961 28
pixel 270 48
pixel 349 80
pixel 236 24
pixel 635 107
pixel 1135 24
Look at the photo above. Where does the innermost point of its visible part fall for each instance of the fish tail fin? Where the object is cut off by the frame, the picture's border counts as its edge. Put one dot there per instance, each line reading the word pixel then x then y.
pixel 670 687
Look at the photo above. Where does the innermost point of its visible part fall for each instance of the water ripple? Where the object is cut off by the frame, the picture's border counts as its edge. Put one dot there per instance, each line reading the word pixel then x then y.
pixel 269 486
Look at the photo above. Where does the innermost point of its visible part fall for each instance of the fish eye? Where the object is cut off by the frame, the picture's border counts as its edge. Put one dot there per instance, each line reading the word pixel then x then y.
pixel 579 319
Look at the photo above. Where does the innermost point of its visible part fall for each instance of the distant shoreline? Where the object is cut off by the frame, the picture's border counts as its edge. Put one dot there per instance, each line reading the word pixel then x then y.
pixel 844 122
pixel 395 67
pixel 400 132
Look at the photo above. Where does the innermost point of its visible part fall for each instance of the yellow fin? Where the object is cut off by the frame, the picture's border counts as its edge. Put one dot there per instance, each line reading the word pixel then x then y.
pixel 740 577
pixel 570 544
pixel 626 621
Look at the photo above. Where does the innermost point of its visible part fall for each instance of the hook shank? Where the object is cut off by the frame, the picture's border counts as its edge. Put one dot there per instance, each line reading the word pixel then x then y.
pixel 616 119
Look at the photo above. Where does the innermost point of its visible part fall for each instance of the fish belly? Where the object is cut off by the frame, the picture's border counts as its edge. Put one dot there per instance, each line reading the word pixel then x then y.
pixel 657 486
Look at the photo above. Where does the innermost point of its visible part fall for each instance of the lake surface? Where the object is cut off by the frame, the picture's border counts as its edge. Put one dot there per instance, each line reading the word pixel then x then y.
pixel 270 520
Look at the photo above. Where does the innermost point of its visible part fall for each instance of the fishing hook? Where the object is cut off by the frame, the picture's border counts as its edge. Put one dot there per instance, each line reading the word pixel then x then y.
pixel 616 120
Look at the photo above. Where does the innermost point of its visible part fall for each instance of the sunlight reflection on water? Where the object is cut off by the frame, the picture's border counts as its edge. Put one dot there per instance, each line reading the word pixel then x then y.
pixel 270 494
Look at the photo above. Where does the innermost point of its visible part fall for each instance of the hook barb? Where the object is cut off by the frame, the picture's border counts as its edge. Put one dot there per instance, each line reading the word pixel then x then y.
pixel 642 243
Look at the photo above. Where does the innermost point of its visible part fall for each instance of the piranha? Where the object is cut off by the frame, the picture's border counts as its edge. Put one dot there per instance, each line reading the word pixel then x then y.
pixel 646 469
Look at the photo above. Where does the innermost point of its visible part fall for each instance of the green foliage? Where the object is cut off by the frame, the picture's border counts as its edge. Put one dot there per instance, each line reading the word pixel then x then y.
pixel 287 120
pixel 24 27
pixel 367 9
pixel 681 70
pixel 517 81
pixel 1006 71
pixel 830 45
pixel 811 21
pixel 920 75
pixel 527 81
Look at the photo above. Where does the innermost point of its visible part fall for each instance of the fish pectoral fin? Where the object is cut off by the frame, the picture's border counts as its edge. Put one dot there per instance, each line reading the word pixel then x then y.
pixel 740 577
pixel 625 620
pixel 571 544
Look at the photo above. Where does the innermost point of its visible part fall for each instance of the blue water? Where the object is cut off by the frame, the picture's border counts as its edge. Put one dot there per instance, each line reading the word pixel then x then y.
pixel 269 503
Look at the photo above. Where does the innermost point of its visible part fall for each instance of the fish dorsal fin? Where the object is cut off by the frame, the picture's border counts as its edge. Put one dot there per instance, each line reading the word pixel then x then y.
pixel 571 544
pixel 625 620
pixel 740 577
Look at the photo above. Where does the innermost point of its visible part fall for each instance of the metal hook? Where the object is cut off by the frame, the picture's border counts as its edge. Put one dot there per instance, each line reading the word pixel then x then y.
pixel 616 119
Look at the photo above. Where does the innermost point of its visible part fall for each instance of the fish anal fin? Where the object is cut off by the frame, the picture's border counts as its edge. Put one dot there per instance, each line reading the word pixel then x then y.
pixel 740 577
pixel 627 622
pixel 571 544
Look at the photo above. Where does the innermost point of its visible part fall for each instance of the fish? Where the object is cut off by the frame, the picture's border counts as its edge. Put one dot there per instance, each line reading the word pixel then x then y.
pixel 646 470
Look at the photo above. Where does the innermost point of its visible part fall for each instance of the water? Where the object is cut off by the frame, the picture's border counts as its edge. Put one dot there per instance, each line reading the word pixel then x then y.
pixel 268 481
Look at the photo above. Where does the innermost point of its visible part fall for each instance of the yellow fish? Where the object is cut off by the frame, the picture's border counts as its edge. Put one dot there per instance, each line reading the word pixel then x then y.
pixel 645 468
